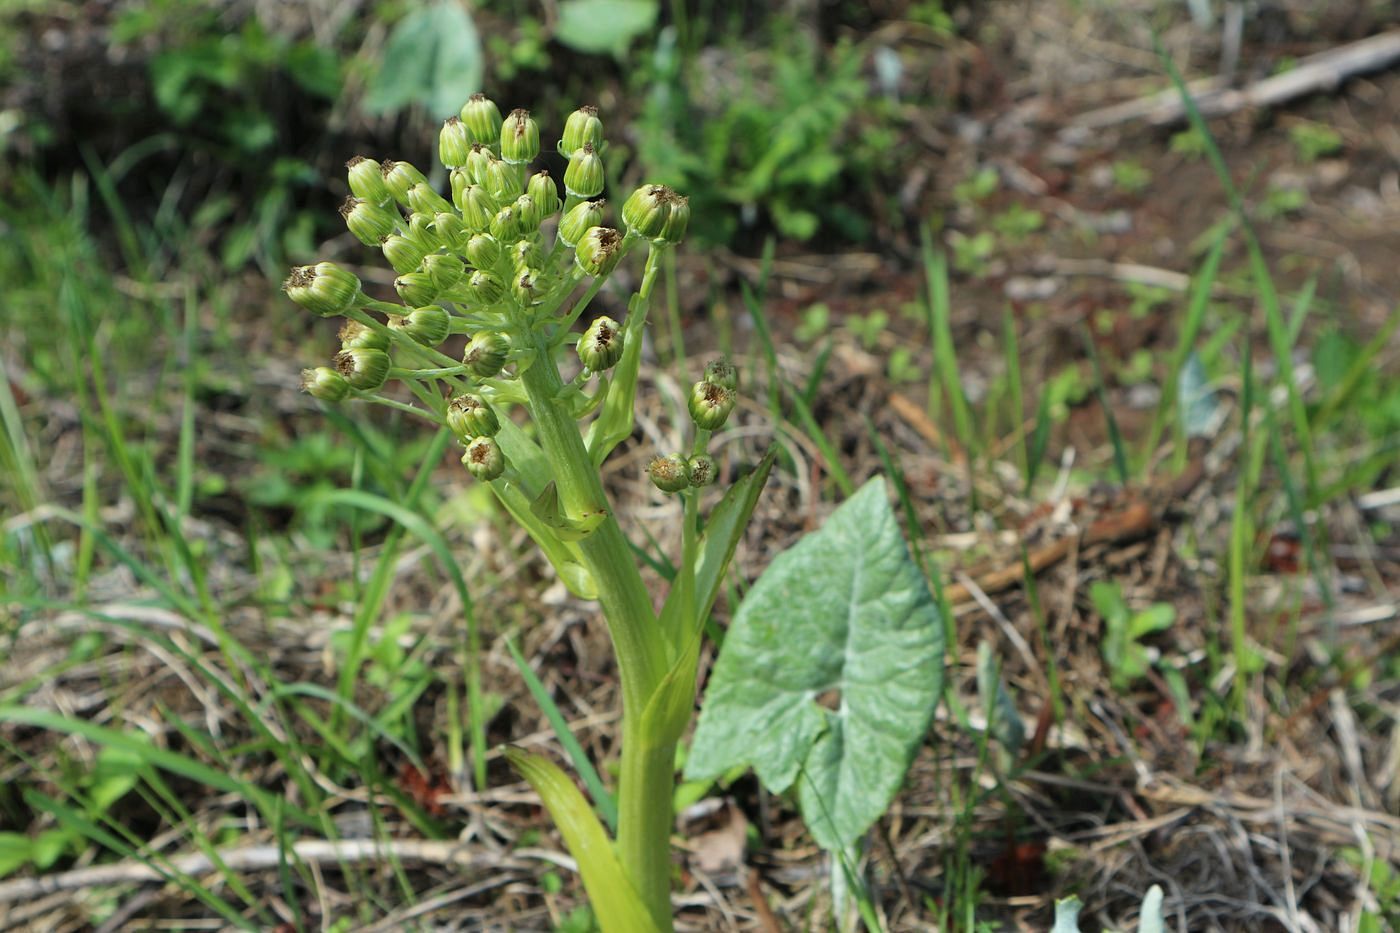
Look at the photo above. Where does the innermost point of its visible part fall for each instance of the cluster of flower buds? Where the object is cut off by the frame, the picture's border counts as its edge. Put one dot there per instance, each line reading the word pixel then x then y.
pixel 710 402
pixel 496 258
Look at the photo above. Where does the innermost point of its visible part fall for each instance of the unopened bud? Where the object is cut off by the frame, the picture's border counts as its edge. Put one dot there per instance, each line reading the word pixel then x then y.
pixel 484 459
pixel 367 180
pixel 365 370
pixel 368 222
pixel 444 269
pixel 506 226
pixel 399 179
pixel 710 404
pixel 469 416
pixel 479 159
pixel 427 325
pixel 478 207
pixel 520 138
pixel 324 289
pixel 486 353
pixel 421 231
pixel 404 255
pixel 525 285
pixel 669 474
pixel 529 214
pixel 544 193
pixel 646 210
pixel 356 336
pixel 599 250
pixel 580 218
pixel 584 177
pixel 582 126
pixel 722 372
pixel 482 118
pixel 454 142
pixel 700 470
pixel 483 250
pixel 422 199
pixel 325 384
pixel 600 347
pixel 673 231
pixel 486 288
pixel 451 229
pixel 416 289
pixel 504 180
pixel 525 254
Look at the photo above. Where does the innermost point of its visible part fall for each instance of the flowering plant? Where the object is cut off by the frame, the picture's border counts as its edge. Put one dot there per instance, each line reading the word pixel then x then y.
pixel 513 265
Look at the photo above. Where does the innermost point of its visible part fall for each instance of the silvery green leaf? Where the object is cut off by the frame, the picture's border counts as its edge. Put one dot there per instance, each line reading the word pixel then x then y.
pixel 1002 719
pixel 1067 915
pixel 1198 400
pixel 433 58
pixel 604 25
pixel 830 672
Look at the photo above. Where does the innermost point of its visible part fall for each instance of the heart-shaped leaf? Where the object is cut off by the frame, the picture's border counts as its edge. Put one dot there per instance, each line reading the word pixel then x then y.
pixel 830 671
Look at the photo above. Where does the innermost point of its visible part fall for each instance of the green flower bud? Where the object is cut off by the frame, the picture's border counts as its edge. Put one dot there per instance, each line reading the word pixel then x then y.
pixel 525 254
pixel 504 180
pixel 599 250
pixel 356 336
pixel 454 142
pixel 544 192
pixel 584 177
pixel 404 255
pixel 427 325
pixel 484 459
pixel 486 288
pixel 528 214
pixel 486 353
pixel 722 372
pixel 673 231
pixel 478 207
pixel 578 220
pixel 324 289
pixel 416 289
pixel 482 119
pixel 582 126
pixel 669 474
pixel 399 178
pixel 420 231
pixel 506 226
pixel 451 229
pixel 367 222
pixel 365 370
pixel 700 470
pixel 483 250
pixel 469 416
pixel 457 181
pixel 710 404
pixel 479 159
pixel 600 347
pixel 444 269
pixel 520 138
pixel 367 180
pixel 647 209
pixel 325 384
pixel 422 199
pixel 526 287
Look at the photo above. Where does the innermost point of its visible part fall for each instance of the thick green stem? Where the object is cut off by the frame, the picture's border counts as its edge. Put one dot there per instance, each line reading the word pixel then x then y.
pixel 646 789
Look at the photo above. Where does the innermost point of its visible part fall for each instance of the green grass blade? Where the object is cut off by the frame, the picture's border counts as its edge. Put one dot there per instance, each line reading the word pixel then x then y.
pixel 1115 437
pixel 604 801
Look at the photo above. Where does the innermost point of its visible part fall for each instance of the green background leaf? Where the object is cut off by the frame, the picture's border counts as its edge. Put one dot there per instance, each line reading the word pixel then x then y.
pixel 604 25
pixel 845 617
pixel 433 58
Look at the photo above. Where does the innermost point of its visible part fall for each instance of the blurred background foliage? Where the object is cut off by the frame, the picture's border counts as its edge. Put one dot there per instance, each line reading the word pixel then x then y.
pixel 237 115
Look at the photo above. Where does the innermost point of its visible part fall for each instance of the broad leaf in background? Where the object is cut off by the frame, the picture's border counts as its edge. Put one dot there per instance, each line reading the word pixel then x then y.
pixel 433 58
pixel 1201 412
pixel 1003 722
pixel 604 25
pixel 830 671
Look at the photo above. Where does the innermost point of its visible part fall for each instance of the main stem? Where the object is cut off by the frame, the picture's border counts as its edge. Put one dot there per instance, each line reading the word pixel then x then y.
pixel 648 769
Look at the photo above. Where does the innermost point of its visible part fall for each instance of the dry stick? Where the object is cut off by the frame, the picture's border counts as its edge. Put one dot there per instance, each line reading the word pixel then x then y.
pixel 1321 72
pixel 263 857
